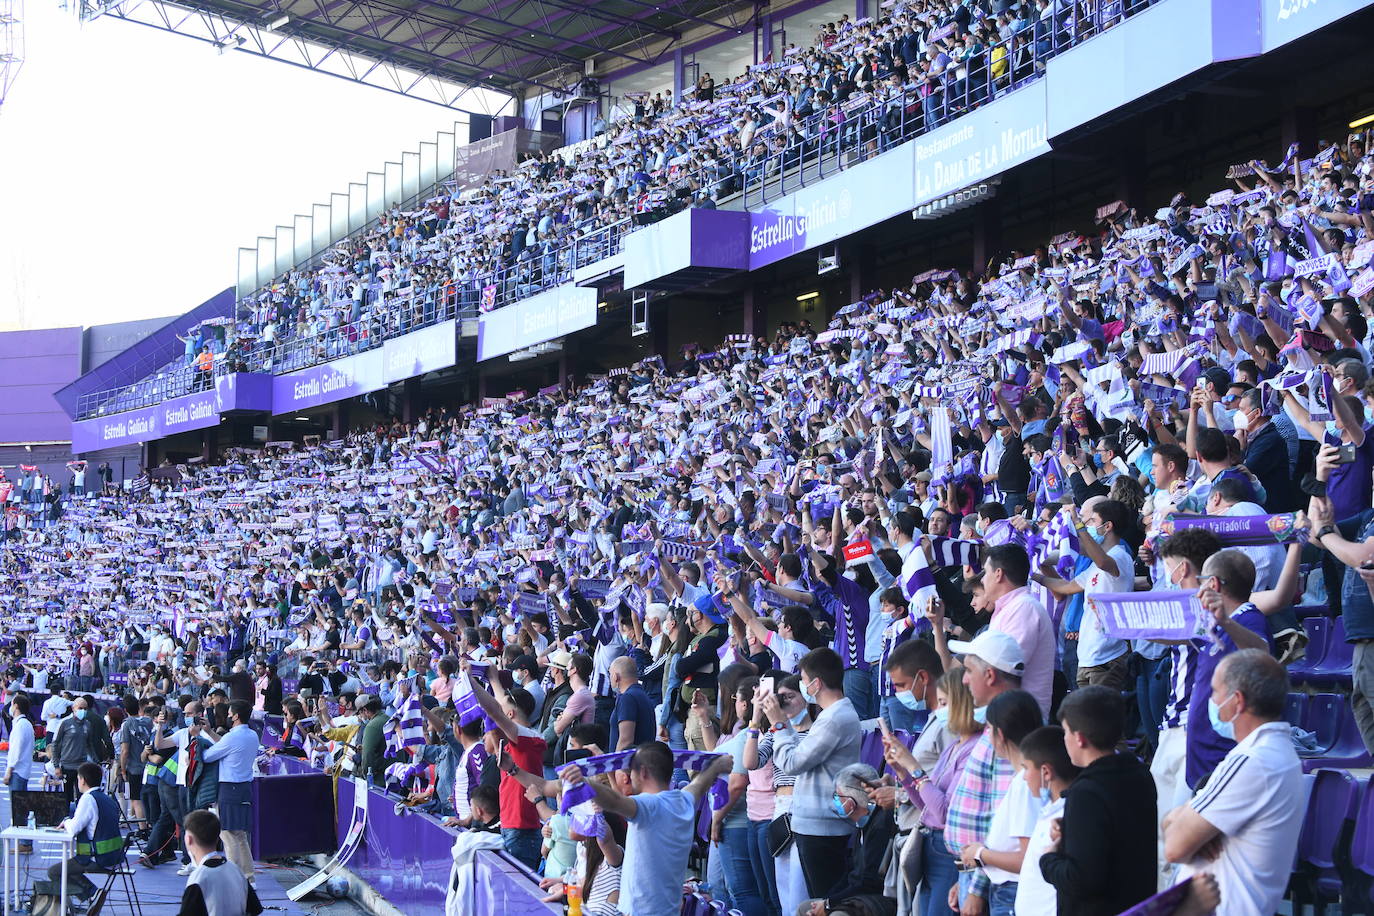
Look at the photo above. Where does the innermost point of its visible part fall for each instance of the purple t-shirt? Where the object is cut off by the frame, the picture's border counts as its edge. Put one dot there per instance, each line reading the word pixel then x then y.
pixel 1350 484
pixel 1205 746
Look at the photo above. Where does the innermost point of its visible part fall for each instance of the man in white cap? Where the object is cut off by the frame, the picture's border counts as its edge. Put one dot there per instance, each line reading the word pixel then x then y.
pixel 993 665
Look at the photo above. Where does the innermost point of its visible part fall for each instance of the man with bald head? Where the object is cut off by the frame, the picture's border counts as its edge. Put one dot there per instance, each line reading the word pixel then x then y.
pixel 632 720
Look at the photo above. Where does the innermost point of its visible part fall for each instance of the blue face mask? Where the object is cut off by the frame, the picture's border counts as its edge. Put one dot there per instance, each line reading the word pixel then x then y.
pixel 797 719
pixel 79 713
pixel 1093 532
pixel 806 695
pixel 980 715
pixel 909 700
pixel 939 715
pixel 1226 730
pixel 1045 795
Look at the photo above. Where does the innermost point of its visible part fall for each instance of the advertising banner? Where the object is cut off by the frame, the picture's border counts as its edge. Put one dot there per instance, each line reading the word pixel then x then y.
pixel 839 206
pixel 548 315
pixel 999 136
pixel 199 410
pixel 428 350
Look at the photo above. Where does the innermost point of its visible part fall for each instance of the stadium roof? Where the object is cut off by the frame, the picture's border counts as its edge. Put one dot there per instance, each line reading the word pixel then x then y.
pixel 440 50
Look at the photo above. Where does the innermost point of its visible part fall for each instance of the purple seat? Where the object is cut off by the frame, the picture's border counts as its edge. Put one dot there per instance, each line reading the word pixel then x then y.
pixel 1295 709
pixel 1318 635
pixel 700 905
pixel 871 749
pixel 1336 662
pixel 1333 801
pixel 1312 610
pixel 689 905
pixel 718 908
pixel 1331 719
pixel 1361 851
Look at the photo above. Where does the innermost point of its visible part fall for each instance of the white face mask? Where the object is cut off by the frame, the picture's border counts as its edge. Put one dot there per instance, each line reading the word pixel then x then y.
pixel 1241 420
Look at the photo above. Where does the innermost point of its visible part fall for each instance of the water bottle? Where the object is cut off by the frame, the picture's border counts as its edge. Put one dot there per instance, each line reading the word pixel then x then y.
pixel 573 891
pixel 33 821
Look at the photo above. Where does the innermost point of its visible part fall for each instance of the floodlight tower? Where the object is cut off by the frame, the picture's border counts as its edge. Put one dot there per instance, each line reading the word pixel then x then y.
pixel 11 44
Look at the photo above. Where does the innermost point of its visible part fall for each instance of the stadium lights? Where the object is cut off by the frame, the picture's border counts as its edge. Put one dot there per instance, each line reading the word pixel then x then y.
pixel 806 296
pixel 230 43
pixel 303 418
pixel 1362 121
pixel 277 23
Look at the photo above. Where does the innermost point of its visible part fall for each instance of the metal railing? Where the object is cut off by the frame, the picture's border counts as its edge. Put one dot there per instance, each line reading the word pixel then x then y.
pixel 822 145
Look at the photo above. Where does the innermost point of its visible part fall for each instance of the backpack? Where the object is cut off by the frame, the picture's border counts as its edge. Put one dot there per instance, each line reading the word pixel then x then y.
pixel 137 735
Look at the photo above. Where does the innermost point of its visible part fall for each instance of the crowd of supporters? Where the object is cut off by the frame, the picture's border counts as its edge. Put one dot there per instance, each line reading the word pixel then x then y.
pixel 1064 528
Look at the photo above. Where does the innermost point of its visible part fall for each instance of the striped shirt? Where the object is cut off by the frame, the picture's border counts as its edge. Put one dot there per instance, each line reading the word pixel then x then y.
pixel 781 778
pixel 981 786
pixel 1183 659
pixel 896 633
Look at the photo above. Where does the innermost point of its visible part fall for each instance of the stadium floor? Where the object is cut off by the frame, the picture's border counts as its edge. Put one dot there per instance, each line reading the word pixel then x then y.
pixel 159 889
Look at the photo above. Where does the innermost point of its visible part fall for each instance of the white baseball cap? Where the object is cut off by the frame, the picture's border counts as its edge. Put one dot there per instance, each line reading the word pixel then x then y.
pixel 998 649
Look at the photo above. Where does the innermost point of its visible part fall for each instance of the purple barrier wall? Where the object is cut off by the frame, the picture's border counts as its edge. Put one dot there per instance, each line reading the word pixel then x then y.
pixel 406 858
pixel 240 391
pixel 34 365
pixel 692 238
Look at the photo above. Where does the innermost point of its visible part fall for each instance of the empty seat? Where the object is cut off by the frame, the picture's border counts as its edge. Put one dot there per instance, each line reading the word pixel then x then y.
pixel 1361 852
pixel 1318 635
pixel 1295 709
pixel 1331 719
pixel 1331 804
pixel 1336 663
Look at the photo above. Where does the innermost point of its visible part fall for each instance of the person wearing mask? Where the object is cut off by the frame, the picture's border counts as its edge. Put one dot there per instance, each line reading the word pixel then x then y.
pixel 661 820
pixel 1048 771
pixel 95 825
pixel 215 886
pixel 525 673
pixel 1103 861
pixel 993 663
pixel 831 745
pixel 1010 717
pixel 861 887
pixel 77 741
pixel 1102 659
pixel 632 720
pixel 1226 583
pixel 1243 826
pixel 926 859
pixel 778 853
pixel 235 752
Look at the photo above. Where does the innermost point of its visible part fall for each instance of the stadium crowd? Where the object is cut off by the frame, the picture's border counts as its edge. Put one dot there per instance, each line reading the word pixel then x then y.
pixel 871 83
pixel 1051 527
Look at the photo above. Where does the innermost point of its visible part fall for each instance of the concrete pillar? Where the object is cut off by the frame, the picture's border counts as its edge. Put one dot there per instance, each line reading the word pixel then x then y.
pixel 208 440
pixel 1130 159
pixel 987 233
pixel 338 420
pixel 1298 125
pixel 755 312
pixel 860 9
pixel 678 74
pixel 411 406
pixel 567 368
pixel 658 332
pixel 863 273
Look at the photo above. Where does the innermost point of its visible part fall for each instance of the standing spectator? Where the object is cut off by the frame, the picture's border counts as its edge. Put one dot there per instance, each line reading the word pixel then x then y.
pixel 1104 859
pixel 1016 612
pixel 632 721
pixel 661 825
pixel 1049 772
pixel 1243 826
pixel 832 744
pixel 511 711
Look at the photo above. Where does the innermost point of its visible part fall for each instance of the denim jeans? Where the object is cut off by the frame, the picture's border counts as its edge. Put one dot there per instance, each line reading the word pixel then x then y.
pixel 1003 902
pixel 160 840
pixel 1152 687
pixel 938 875
pixel 737 863
pixel 859 690
pixel 524 844
pixel 1014 502
pixel 17 783
pixel 897 715
pixel 677 740
pixel 765 871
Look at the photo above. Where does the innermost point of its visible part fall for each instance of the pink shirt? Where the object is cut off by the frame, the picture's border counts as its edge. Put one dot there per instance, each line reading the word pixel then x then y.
pixel 442 688
pixel 1024 619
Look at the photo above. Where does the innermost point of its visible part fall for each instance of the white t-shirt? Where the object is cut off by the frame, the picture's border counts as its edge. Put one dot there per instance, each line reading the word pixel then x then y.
pixel 1034 894
pixel 1013 818
pixel 1252 798
pixel 787 651
pixel 1094 646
